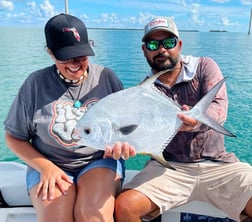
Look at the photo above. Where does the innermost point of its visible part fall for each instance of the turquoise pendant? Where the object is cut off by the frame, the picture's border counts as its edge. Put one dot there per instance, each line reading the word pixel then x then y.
pixel 77 104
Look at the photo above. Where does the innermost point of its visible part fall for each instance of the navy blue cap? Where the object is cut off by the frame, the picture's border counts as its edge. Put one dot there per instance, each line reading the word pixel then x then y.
pixel 67 37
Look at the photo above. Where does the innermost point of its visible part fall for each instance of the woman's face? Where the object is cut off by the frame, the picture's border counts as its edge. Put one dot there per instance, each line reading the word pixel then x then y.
pixel 72 69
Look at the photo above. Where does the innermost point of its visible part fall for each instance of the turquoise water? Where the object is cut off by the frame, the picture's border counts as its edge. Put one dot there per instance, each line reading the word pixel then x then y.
pixel 22 51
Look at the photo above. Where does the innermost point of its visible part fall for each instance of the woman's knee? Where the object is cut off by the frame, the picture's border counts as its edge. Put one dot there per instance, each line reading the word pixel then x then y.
pixel 92 213
pixel 60 208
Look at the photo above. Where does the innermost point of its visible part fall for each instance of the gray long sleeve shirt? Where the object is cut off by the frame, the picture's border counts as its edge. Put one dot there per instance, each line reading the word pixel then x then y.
pixel 197 77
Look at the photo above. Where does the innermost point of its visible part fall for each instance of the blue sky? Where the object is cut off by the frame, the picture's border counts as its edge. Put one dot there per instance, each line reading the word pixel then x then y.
pixel 202 15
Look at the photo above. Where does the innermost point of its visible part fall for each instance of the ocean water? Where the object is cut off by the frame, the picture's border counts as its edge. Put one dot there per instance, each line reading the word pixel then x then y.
pixel 22 51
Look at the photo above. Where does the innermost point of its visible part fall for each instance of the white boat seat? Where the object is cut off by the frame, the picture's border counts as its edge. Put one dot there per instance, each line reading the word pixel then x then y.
pixel 13 190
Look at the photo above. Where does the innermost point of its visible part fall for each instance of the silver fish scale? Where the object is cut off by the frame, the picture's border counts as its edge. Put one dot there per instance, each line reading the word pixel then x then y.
pixel 154 114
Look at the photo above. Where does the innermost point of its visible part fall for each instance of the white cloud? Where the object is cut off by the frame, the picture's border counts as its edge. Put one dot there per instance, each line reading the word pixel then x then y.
pixel 31 5
pixel 183 3
pixel 83 16
pixel 226 22
pixel 195 14
pixel 246 2
pixel 6 5
pixel 220 1
pixel 32 8
pixel 47 9
pixel 109 19
pixel 143 18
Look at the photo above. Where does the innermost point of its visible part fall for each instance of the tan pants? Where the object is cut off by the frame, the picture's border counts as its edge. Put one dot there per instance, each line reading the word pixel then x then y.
pixel 227 186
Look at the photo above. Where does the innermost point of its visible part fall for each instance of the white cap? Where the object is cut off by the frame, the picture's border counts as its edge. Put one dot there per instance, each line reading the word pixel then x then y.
pixel 158 24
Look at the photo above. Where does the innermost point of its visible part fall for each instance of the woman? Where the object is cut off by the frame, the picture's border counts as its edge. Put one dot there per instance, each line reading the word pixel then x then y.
pixel 65 182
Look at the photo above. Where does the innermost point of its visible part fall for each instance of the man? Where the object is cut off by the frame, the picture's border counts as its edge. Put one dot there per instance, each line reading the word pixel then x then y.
pixel 204 169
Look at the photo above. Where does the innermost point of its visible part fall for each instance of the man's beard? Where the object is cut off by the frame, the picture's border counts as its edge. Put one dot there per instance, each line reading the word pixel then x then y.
pixel 160 66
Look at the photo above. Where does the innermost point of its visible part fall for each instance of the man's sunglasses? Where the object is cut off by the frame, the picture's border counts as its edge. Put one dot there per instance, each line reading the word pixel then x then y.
pixel 168 43
pixel 76 59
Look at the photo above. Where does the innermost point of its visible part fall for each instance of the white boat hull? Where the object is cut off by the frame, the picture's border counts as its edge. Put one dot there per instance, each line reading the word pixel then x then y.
pixel 13 190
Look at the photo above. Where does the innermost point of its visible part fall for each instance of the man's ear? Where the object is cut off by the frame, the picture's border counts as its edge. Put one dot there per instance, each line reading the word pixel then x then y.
pixel 144 49
pixel 180 44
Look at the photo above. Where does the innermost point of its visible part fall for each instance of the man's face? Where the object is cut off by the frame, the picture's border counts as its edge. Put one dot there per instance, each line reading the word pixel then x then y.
pixel 162 55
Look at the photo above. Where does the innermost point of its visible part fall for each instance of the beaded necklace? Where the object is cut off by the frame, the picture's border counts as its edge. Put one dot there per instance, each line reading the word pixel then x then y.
pixel 74 81
pixel 77 102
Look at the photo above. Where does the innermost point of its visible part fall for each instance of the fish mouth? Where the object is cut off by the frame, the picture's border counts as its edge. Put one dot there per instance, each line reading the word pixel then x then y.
pixel 75 135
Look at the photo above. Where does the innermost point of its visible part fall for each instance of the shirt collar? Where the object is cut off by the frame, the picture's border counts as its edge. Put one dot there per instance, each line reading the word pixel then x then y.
pixel 188 69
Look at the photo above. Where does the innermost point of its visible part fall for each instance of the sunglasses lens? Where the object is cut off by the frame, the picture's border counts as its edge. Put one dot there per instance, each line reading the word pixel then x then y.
pixel 63 61
pixel 152 45
pixel 169 43
pixel 76 59
pixel 80 58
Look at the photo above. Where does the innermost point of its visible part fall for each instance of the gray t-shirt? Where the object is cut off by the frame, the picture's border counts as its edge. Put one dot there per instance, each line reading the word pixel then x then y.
pixel 43 113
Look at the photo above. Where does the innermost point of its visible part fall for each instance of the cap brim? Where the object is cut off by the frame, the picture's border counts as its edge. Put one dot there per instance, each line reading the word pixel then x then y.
pixel 155 30
pixel 73 51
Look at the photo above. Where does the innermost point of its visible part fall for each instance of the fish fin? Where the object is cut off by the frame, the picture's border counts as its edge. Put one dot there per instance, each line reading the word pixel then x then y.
pixel 201 107
pixel 125 130
pixel 149 81
pixel 207 120
pixel 159 159
pixel 207 99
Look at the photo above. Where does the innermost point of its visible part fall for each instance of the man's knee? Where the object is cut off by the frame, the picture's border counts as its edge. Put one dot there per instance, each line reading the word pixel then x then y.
pixel 248 208
pixel 122 208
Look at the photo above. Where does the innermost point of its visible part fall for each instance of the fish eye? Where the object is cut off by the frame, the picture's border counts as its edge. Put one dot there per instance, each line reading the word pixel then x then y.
pixel 87 130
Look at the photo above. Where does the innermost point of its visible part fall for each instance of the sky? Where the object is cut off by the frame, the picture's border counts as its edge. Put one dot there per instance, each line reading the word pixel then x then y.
pixel 201 15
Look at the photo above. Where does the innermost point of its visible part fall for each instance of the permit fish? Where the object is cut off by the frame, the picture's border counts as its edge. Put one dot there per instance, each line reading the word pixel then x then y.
pixel 142 116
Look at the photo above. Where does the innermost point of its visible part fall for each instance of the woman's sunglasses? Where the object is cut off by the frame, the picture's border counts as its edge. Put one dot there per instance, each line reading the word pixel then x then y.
pixel 76 59
pixel 168 43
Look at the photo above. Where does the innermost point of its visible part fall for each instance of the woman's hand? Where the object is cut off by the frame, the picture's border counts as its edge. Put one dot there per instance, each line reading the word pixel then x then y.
pixel 51 178
pixel 119 150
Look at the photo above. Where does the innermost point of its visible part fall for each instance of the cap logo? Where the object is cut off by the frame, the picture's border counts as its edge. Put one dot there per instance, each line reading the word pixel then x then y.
pixel 157 22
pixel 74 31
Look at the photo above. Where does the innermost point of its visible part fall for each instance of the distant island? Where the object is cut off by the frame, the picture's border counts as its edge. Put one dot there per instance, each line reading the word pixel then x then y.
pixel 213 30
pixel 193 30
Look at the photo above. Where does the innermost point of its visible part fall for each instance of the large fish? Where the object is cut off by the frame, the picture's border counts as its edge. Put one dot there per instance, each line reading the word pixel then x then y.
pixel 142 116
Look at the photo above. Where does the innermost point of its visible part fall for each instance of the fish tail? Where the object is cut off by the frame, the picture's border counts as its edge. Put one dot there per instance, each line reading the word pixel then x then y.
pixel 206 100
pixel 199 110
pixel 214 125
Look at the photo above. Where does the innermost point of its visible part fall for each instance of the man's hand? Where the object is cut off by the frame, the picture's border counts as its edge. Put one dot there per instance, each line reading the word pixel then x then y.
pixel 119 150
pixel 189 124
